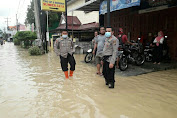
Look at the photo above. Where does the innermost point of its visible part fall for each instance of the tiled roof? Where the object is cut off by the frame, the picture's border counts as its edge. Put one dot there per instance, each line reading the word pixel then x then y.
pixel 80 27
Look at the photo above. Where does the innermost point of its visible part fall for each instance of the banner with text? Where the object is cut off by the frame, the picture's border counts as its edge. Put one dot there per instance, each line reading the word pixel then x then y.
pixel 53 5
pixel 117 5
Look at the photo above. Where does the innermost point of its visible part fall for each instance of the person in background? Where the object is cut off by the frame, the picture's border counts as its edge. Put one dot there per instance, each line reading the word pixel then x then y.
pixel 158 49
pixel 99 45
pixel 95 38
pixel 109 57
pixel 64 47
pixel 152 40
pixel 1 41
pixel 122 41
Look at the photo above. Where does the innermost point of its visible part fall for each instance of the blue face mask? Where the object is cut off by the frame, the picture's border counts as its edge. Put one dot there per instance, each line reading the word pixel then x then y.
pixel 108 34
pixel 64 36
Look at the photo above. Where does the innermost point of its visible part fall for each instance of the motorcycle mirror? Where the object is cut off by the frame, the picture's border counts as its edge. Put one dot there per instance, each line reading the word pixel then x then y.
pixel 166 36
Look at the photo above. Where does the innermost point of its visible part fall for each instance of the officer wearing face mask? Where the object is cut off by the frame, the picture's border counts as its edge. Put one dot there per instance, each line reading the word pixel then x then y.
pixel 109 57
pixel 64 47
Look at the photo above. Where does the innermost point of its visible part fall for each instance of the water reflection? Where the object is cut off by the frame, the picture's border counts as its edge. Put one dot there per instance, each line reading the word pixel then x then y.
pixel 34 86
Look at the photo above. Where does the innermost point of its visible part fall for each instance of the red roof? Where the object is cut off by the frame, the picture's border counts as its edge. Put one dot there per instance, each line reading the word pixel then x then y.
pixel 76 21
pixel 89 26
pixel 77 24
pixel 63 26
pixel 80 27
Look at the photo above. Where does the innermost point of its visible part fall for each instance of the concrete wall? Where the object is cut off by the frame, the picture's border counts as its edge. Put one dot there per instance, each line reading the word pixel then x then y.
pixel 83 17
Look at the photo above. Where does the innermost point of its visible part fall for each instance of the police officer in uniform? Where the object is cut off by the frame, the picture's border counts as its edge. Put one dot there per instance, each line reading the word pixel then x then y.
pixel 109 57
pixel 64 47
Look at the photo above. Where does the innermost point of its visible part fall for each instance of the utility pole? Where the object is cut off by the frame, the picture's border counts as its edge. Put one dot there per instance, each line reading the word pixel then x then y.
pixel 108 13
pixel 7 21
pixel 47 34
pixel 37 19
pixel 16 23
pixel 66 15
pixel 72 25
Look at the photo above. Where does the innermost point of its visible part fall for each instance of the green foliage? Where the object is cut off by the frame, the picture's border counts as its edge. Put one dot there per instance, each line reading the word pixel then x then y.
pixel 35 51
pixel 16 42
pixel 1 32
pixel 53 18
pixel 30 17
pixel 26 36
pixel 30 14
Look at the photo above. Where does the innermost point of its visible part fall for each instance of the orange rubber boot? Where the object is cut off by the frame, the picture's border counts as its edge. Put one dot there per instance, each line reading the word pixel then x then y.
pixel 66 74
pixel 71 73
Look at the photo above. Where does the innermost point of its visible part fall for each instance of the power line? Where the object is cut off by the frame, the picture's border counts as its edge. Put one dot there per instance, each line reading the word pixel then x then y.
pixel 7 20
pixel 21 8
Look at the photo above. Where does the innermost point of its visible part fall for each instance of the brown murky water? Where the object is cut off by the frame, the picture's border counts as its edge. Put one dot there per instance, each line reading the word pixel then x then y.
pixel 34 87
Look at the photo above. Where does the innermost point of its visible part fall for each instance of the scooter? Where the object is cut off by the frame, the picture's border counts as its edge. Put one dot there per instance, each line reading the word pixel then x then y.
pixel 89 56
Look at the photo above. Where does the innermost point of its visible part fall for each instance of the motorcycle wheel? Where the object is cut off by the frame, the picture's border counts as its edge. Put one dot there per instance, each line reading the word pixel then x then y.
pixel 88 58
pixel 140 60
pixel 148 58
pixel 123 64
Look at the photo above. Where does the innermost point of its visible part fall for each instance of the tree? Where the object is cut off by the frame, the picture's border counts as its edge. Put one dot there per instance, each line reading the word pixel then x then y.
pixel 1 32
pixel 30 18
pixel 53 18
pixel 27 36
pixel 30 14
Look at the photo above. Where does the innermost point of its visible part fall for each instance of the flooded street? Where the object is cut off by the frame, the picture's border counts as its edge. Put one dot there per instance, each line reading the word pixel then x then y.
pixel 34 87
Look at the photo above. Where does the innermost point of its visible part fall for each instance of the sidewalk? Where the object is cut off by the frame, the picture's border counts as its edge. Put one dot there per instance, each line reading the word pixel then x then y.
pixel 147 67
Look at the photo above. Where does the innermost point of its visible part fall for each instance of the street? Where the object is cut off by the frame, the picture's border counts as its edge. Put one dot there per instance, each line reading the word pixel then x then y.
pixel 34 87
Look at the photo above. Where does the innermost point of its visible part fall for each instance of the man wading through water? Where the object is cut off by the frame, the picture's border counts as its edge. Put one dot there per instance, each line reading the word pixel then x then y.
pixel 99 46
pixel 64 47
pixel 109 57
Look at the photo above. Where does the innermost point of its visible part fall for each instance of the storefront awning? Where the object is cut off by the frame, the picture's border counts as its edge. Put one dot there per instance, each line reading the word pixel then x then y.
pixel 92 5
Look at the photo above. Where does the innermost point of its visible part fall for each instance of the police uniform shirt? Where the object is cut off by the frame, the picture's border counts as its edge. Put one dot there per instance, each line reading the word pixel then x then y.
pixel 110 49
pixel 64 46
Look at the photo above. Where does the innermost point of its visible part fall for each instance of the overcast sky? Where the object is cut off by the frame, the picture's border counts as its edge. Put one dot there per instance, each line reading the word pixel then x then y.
pixel 9 8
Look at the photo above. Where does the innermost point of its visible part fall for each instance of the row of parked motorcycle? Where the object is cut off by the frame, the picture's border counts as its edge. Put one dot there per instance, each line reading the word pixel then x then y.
pixel 134 54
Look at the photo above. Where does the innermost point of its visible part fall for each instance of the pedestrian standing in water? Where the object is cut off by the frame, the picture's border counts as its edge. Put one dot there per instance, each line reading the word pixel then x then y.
pixel 109 57
pixel 64 47
pixel 94 41
pixel 99 45
pixel 158 50
pixel 95 38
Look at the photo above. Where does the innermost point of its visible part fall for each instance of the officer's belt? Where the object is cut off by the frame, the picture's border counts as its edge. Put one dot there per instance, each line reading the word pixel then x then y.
pixel 106 57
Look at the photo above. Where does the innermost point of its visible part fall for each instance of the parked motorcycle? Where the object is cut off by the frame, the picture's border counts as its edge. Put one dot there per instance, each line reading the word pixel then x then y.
pixel 89 56
pixel 133 54
pixel 148 53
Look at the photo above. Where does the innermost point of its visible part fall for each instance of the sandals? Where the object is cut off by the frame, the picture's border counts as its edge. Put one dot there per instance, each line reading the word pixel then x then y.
pixel 98 73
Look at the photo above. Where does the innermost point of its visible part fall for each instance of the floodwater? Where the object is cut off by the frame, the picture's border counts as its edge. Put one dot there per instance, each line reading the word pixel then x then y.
pixel 34 87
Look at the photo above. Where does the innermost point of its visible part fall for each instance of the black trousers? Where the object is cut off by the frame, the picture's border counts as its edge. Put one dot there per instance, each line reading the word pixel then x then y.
pixel 108 72
pixel 64 62
pixel 157 54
